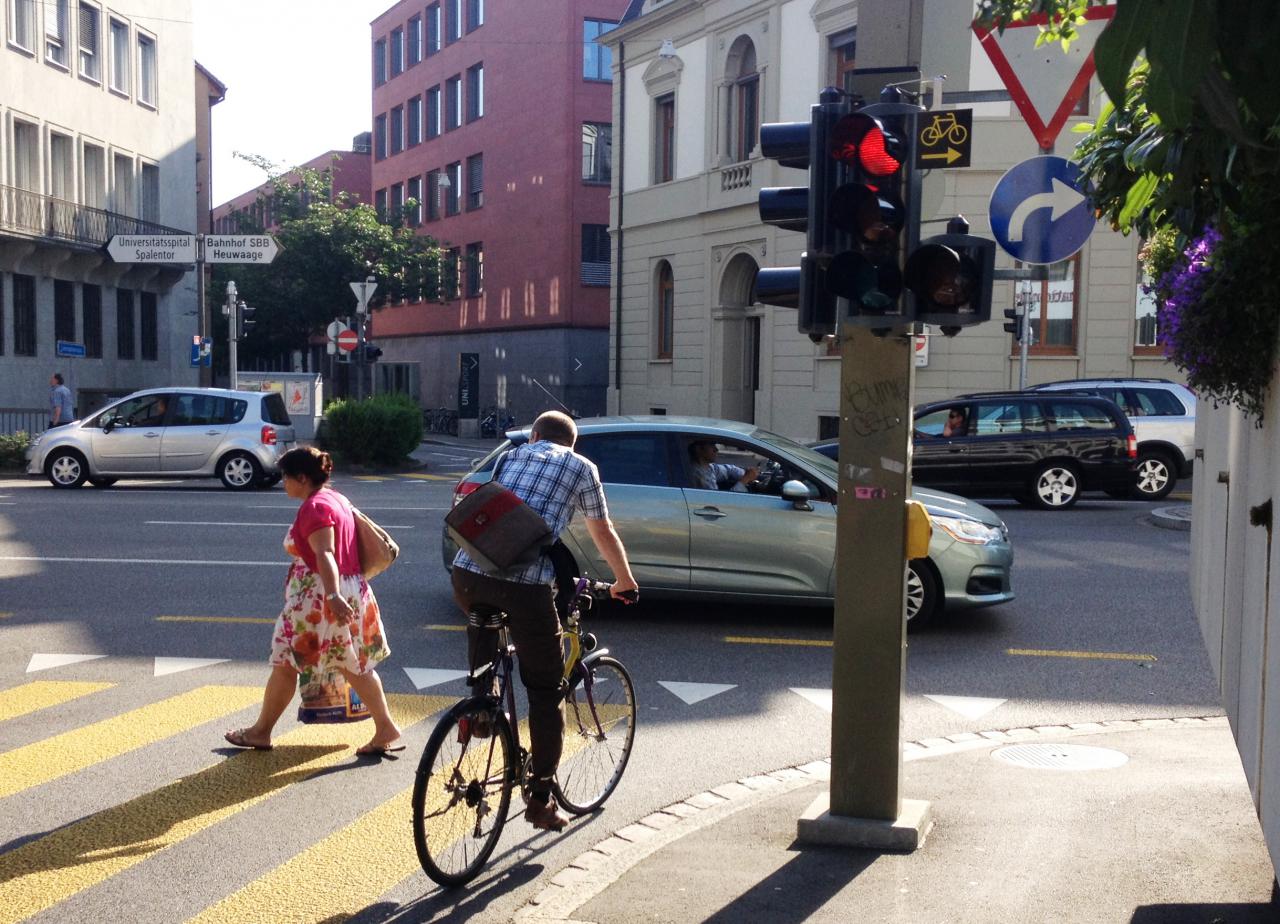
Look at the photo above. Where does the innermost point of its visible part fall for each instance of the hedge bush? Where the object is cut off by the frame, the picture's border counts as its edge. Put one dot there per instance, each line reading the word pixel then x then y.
pixel 381 430
pixel 13 448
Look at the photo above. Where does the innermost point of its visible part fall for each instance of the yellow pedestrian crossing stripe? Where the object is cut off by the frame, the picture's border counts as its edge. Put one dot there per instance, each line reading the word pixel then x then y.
pixel 73 751
pixel 424 477
pixel 41 694
pixel 41 873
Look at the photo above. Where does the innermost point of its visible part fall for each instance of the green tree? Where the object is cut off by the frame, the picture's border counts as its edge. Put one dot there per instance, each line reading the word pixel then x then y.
pixel 326 243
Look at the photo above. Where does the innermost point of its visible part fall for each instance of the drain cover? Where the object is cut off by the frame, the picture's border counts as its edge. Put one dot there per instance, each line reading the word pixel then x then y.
pixel 1060 756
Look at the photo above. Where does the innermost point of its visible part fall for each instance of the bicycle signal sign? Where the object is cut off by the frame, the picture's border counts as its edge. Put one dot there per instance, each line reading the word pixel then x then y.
pixel 944 139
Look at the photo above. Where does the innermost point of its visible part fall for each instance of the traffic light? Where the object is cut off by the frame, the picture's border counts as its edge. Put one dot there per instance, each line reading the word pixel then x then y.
pixel 371 353
pixel 951 276
pixel 244 319
pixel 1014 324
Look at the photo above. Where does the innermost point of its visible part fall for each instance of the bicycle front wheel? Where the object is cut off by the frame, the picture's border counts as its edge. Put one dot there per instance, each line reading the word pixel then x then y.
pixel 600 726
pixel 463 791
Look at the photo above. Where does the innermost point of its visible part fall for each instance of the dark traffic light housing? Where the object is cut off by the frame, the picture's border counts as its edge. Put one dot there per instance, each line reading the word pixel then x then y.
pixel 951 276
pixel 1014 324
pixel 244 319
pixel 371 353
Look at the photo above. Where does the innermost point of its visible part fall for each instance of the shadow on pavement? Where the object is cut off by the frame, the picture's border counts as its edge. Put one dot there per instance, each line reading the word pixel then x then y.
pixel 1206 914
pixel 777 900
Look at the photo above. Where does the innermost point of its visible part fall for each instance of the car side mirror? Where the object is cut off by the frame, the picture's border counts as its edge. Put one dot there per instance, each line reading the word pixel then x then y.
pixel 797 492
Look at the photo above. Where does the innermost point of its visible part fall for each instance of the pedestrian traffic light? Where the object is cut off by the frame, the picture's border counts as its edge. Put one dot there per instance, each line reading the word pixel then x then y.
pixel 1014 324
pixel 951 276
pixel 371 353
pixel 244 319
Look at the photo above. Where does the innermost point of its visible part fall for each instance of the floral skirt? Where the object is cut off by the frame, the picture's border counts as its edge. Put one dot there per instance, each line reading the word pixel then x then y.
pixel 308 636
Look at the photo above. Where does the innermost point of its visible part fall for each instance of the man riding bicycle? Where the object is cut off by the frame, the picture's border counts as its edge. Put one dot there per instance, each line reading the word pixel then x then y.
pixel 555 482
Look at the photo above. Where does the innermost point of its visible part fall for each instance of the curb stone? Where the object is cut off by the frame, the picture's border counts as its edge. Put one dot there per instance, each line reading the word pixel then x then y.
pixel 604 864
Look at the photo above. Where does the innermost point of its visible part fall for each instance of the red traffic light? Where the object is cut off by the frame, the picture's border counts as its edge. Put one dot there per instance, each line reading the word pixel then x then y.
pixel 861 141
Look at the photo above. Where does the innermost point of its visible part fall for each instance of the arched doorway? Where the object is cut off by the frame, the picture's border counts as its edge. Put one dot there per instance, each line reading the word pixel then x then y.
pixel 735 377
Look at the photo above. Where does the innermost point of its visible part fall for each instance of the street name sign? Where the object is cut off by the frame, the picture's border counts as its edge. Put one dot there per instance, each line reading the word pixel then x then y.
pixel 348 340
pixel 69 348
pixel 152 248
pixel 944 139
pixel 1045 83
pixel 240 248
pixel 1039 212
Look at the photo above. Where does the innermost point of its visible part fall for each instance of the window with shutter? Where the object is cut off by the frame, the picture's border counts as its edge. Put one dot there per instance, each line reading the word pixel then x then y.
pixel 57 25
pixel 475 181
pixel 595 255
pixel 87 28
pixel 475 269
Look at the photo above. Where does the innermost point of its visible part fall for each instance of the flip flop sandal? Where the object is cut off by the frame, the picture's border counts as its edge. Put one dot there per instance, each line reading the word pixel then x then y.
pixel 238 739
pixel 378 750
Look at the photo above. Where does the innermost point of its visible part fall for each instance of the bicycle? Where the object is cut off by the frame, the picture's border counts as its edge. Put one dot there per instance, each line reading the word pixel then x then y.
pixel 474 757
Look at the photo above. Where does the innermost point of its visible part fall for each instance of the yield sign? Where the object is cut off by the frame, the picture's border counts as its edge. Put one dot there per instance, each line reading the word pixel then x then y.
pixel 1037 77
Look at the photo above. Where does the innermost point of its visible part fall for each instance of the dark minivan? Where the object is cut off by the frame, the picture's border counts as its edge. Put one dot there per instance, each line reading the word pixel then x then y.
pixel 1044 448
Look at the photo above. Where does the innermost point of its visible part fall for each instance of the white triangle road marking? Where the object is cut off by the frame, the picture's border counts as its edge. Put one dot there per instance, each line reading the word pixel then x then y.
pixel 695 692
pixel 971 707
pixel 423 677
pixel 40 662
pixel 820 698
pixel 178 665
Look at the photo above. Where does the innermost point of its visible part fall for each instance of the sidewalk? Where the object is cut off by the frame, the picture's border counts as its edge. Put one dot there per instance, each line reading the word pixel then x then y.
pixel 1168 835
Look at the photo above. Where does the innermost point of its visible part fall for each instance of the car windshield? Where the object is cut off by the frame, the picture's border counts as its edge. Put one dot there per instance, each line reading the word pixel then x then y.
pixel 809 457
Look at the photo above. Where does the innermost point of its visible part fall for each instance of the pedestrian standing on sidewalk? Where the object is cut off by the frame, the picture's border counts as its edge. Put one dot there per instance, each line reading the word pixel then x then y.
pixel 61 409
pixel 330 619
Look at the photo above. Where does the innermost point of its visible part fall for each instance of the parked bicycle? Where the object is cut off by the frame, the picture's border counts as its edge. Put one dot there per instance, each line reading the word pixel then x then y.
pixel 495 422
pixel 474 758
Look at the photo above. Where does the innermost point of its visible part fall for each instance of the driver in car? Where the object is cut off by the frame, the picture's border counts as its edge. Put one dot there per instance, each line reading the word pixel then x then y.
pixel 710 474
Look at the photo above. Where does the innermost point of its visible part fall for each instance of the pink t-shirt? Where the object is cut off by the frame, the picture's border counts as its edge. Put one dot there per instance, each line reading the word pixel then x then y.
pixel 328 508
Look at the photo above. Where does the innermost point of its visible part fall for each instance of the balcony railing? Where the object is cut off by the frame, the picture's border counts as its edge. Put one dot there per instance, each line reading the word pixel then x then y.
pixel 33 215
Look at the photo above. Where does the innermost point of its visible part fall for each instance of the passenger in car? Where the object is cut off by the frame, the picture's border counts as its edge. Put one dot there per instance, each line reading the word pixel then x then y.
pixel 710 474
pixel 956 423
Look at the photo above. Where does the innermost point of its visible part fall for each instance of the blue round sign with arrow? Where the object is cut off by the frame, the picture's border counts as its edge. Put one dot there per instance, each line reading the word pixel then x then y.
pixel 1039 212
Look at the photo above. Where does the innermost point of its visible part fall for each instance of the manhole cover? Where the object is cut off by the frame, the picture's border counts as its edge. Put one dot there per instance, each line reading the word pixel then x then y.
pixel 1060 756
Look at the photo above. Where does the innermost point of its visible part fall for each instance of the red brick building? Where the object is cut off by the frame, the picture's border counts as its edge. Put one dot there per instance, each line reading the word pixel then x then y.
pixel 350 175
pixel 496 119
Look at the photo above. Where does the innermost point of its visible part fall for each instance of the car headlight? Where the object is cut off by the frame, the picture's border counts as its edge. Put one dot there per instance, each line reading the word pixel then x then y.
pixel 965 530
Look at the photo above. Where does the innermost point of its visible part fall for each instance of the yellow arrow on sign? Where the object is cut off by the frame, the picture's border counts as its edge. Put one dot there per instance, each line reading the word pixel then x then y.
pixel 951 155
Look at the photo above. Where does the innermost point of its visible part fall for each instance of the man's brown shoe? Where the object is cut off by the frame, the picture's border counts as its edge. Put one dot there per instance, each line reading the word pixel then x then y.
pixel 544 817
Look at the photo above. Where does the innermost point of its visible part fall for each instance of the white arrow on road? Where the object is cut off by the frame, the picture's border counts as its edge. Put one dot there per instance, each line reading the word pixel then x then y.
pixel 692 692
pixel 971 707
pixel 1062 199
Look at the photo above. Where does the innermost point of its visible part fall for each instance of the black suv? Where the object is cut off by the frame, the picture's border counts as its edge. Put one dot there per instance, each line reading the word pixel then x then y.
pixel 1043 448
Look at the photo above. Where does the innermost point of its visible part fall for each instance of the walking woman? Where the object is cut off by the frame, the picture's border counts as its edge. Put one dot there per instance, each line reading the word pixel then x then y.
pixel 330 618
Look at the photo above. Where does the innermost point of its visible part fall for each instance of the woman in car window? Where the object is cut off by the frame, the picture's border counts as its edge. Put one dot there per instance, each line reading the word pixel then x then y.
pixel 956 422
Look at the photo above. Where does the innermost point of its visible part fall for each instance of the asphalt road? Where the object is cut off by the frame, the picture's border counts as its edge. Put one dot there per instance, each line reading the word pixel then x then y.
pixel 121 803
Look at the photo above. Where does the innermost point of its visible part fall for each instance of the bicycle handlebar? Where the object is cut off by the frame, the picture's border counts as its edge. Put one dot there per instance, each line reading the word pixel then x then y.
pixel 602 590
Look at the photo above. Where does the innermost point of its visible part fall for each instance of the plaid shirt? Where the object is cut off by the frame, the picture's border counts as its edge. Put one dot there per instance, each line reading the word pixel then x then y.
pixel 555 481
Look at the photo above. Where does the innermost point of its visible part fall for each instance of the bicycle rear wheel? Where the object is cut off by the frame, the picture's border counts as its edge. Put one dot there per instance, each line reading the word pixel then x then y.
pixel 600 726
pixel 463 791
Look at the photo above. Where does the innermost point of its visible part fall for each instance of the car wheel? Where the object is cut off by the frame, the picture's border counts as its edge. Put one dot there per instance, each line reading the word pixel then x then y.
pixel 922 594
pixel 239 471
pixel 103 482
pixel 1155 477
pixel 1055 486
pixel 66 468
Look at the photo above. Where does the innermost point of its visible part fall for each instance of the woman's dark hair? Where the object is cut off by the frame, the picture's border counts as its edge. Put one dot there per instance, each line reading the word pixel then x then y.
pixel 307 462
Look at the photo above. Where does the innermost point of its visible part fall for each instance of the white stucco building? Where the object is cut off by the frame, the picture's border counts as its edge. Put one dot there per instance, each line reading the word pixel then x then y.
pixel 97 138
pixel 694 79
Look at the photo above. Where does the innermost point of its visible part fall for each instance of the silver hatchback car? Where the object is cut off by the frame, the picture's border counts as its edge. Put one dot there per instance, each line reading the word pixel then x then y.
pixel 237 436
pixel 772 541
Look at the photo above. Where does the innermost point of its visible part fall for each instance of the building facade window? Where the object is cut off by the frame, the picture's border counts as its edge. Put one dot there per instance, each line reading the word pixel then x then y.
pixel 1 314
pixel 380 204
pixel 453 102
pixel 1053 306
pixel 22 23
pixel 380 137
pixel 843 47
pixel 744 101
pixel 413 192
pixel 91 309
pixel 1146 331
pixel 475 92
pixel 597 59
pixel 124 324
pixel 413 127
pixel 57 32
pixel 433 195
pixel 93 189
pixel 475 14
pixel 474 270
pixel 475 182
pixel 664 142
pixel 147 70
pixel 396 52
pixel 396 214
pixel 452 192
pixel 433 113
pixel 62 166
pixel 119 77
pixel 413 41
pixel 453 21
pixel 149 326
pixel 124 200
pixel 88 31
pixel 664 312
pixel 150 178
pixel 597 151
pixel 379 62
pixel 24 315
pixel 396 140
pixel 26 156
pixel 64 310
pixel 595 255
pixel 451 265
pixel 434 31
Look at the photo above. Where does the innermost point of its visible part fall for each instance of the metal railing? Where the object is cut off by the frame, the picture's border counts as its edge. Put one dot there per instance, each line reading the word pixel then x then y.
pixel 34 215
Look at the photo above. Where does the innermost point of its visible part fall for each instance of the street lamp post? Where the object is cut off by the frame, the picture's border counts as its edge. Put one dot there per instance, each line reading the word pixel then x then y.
pixel 229 309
